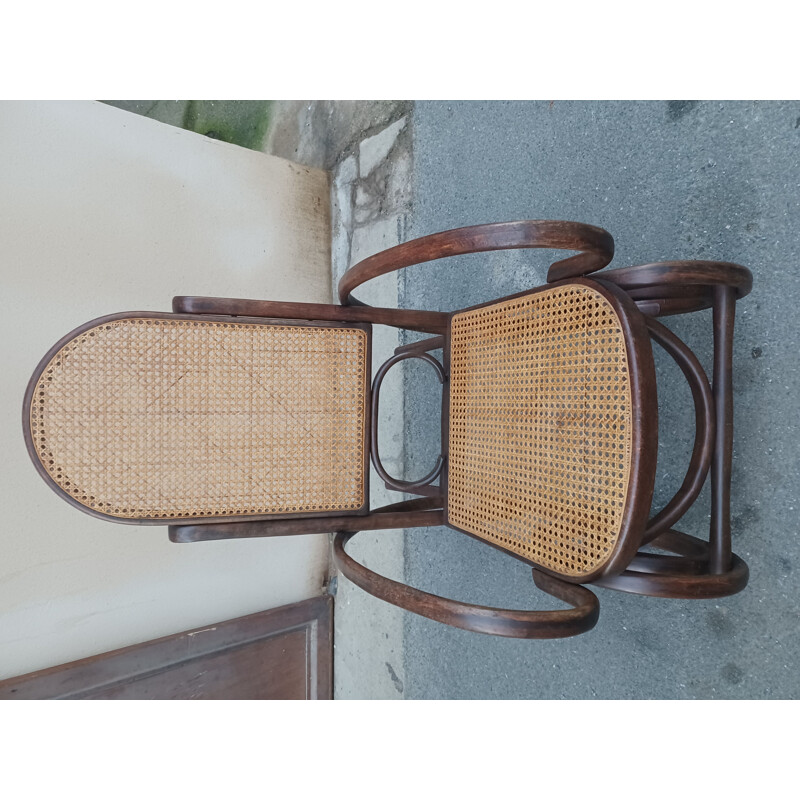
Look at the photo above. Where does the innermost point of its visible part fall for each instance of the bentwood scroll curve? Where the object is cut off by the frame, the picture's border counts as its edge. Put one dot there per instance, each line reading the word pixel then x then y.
pixel 704 431
pixel 687 577
pixel 596 248
pixel 480 619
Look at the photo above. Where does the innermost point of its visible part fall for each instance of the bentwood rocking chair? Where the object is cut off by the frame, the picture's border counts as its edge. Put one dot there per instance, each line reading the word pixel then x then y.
pixel 245 418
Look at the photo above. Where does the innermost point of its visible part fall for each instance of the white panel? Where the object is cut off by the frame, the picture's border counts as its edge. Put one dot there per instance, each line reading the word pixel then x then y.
pixel 103 211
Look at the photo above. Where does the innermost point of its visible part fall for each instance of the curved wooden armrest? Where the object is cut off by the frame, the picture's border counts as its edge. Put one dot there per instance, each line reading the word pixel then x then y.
pixel 595 245
pixel 679 287
pixel 479 619
pixel 685 577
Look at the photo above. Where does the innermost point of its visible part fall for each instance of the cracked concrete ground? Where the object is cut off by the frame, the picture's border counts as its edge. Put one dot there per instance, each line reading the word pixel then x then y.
pixel 367 146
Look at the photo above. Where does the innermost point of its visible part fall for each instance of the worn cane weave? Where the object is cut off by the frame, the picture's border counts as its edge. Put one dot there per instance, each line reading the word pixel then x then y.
pixel 540 427
pixel 168 418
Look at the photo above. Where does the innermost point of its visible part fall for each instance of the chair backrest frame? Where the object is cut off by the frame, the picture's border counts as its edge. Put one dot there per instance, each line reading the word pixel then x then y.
pixel 33 452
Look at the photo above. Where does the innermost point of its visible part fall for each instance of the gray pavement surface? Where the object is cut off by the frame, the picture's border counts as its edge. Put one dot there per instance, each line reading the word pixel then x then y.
pixel 677 180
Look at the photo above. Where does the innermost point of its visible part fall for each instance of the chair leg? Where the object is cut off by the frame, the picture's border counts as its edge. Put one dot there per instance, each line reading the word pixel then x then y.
pixel 720 534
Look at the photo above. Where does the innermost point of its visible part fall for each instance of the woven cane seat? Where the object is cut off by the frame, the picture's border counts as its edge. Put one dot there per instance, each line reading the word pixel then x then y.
pixel 540 427
pixel 163 417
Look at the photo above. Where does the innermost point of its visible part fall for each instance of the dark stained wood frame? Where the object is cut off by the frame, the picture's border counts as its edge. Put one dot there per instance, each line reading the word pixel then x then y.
pixel 479 619
pixel 702 569
pixel 424 484
pixel 422 321
pixel 639 294
pixel 417 513
pixel 689 577
pixel 596 248
pixel 704 431
pixel 142 671
pixel 252 320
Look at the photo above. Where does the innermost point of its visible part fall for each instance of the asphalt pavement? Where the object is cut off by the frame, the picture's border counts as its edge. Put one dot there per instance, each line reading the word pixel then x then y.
pixel 669 180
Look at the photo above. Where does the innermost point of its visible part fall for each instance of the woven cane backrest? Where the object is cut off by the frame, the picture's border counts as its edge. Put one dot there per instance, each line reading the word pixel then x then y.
pixel 540 427
pixel 162 418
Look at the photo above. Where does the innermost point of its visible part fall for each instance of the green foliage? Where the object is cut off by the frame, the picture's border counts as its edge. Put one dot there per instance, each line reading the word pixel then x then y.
pixel 242 122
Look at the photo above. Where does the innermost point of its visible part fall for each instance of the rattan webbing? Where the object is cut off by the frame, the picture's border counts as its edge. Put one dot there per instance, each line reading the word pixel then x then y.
pixel 540 427
pixel 164 418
